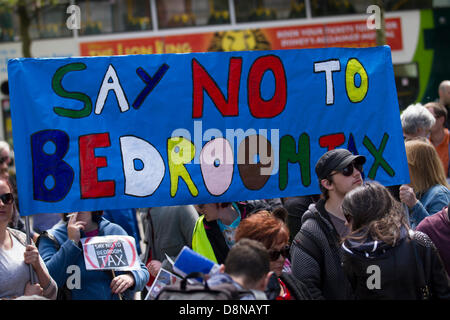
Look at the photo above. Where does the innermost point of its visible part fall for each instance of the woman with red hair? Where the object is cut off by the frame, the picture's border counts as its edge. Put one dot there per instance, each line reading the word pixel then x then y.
pixel 273 233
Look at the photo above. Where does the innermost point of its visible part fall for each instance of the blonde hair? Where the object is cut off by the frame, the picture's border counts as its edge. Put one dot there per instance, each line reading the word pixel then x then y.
pixel 425 167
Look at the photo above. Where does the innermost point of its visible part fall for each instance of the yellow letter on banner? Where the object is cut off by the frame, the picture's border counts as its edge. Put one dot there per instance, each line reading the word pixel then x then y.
pixel 179 152
pixel 354 93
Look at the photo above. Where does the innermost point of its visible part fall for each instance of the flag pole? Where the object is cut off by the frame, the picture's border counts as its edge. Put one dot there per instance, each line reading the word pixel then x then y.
pixel 28 233
pixel 114 275
pixel 407 214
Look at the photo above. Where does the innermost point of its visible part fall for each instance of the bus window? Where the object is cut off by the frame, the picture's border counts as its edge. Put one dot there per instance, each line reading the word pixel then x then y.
pixel 105 16
pixel 407 83
pixel 132 15
pixel 96 17
pixel 50 22
pixel 394 5
pixel 266 10
pixel 332 7
pixel 6 24
pixel 337 7
pixel 189 13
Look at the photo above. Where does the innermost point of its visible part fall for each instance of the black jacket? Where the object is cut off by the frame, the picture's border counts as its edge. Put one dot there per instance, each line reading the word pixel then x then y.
pixel 380 271
pixel 317 262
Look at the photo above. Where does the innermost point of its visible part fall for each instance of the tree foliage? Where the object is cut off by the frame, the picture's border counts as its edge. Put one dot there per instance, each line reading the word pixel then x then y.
pixel 26 11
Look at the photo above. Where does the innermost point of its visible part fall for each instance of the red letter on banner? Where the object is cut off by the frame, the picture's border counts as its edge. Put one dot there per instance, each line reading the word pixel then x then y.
pixel 89 163
pixel 202 81
pixel 259 107
pixel 332 141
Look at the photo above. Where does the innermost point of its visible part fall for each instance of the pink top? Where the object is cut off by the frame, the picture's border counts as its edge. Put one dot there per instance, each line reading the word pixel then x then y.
pixel 92 233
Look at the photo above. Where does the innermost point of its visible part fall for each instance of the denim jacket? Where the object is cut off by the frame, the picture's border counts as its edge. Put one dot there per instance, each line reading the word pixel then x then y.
pixel 429 203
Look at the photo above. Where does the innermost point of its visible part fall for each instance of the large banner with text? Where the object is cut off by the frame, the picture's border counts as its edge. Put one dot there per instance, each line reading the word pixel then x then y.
pixel 152 130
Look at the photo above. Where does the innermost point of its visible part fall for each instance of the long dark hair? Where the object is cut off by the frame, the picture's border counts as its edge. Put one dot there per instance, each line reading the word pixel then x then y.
pixel 375 213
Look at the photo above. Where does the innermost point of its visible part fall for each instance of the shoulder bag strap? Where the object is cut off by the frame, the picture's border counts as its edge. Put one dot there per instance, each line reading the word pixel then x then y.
pixel 424 290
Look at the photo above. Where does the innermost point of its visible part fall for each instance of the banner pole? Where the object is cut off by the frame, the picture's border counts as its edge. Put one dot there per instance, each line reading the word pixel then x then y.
pixel 28 233
pixel 114 275
pixel 407 214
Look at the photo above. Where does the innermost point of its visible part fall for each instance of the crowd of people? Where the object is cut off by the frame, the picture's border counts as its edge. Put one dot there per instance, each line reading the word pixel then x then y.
pixel 356 240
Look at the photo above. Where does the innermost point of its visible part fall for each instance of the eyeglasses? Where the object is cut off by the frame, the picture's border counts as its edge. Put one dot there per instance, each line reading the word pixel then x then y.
pixel 7 198
pixel 348 170
pixel 275 254
pixel 4 159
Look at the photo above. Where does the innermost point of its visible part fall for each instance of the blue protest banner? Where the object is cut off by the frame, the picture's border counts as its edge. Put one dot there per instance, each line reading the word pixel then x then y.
pixel 153 130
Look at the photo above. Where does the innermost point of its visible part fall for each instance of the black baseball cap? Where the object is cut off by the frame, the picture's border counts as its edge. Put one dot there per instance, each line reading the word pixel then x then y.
pixel 336 159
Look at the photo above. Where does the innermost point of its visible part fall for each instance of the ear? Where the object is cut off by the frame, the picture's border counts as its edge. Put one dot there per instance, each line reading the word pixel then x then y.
pixel 222 268
pixel 327 184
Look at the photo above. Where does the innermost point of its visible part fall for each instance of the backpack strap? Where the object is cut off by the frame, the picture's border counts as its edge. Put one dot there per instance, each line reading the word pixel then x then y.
pixel 305 242
pixel 45 234
pixel 423 272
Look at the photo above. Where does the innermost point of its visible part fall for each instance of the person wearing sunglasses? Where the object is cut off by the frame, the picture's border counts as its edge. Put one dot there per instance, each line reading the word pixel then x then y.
pixel 315 253
pixel 16 256
pixel 273 233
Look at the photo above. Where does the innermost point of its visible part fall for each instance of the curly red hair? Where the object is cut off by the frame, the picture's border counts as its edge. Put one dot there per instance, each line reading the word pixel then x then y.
pixel 263 227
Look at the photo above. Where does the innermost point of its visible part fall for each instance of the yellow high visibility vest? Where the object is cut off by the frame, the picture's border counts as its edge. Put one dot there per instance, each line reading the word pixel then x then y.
pixel 200 241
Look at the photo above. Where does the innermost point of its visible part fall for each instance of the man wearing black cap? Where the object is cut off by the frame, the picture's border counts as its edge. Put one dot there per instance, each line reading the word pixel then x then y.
pixel 315 252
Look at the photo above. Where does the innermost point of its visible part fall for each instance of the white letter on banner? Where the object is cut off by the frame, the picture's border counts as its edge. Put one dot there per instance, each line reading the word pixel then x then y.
pixel 106 87
pixel 144 181
pixel 328 67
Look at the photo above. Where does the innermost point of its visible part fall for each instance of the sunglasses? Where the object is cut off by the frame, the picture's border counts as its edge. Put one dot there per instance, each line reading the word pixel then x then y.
pixel 7 198
pixel 275 254
pixel 348 170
